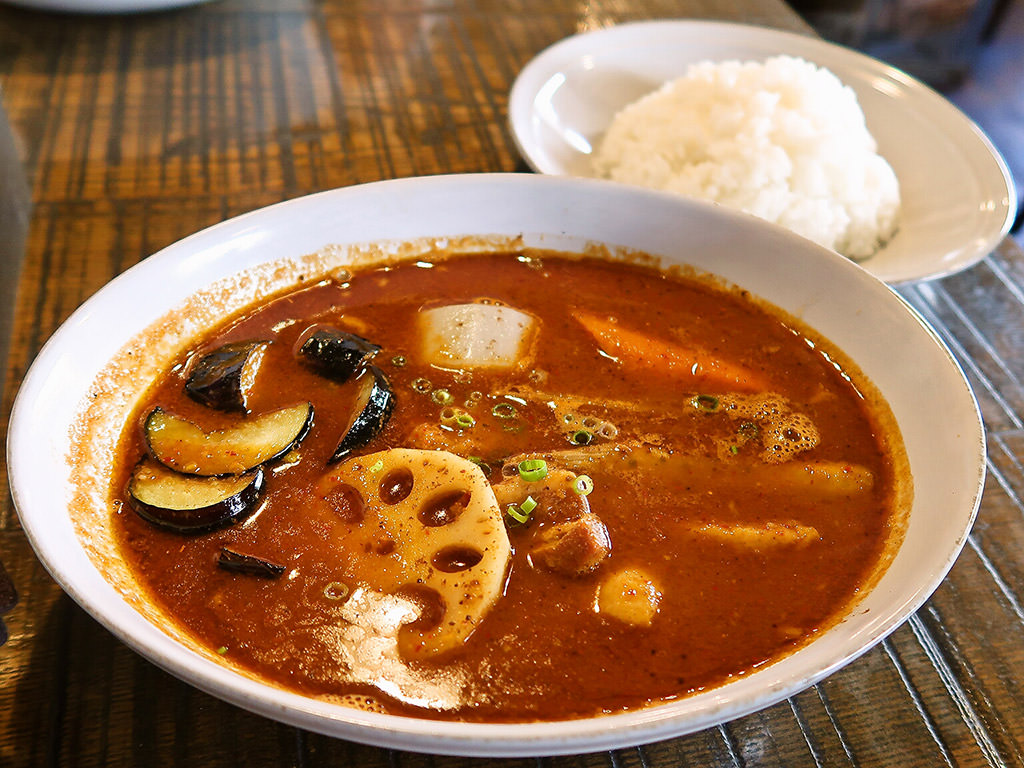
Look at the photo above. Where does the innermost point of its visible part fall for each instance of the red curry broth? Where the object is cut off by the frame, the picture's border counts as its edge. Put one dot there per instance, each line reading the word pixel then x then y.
pixel 675 475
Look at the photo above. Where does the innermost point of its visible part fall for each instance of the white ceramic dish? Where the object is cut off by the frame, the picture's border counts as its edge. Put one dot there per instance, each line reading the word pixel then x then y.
pixel 958 195
pixel 103 6
pixel 862 315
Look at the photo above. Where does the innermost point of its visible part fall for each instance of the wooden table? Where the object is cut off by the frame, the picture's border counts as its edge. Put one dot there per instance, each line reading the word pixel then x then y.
pixel 135 131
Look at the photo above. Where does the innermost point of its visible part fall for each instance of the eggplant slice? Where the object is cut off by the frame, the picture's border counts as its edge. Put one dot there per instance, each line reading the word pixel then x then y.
pixel 374 404
pixel 335 354
pixel 185 447
pixel 221 379
pixel 191 504
pixel 248 565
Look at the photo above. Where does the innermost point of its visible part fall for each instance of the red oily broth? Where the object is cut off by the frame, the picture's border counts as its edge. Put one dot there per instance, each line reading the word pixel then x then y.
pixel 744 489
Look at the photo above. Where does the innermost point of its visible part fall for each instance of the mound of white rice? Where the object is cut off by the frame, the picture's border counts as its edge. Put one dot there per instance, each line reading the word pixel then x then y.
pixel 781 139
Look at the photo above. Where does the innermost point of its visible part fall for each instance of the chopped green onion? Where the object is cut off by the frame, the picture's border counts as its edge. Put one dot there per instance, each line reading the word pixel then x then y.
pixel 532 470
pixel 473 398
pixel 378 466
pixel 441 396
pixel 607 430
pixel 454 417
pixel 398 361
pixel 569 418
pixel 591 423
pixel 222 650
pixel 336 590
pixel 422 385
pixel 581 437
pixel 583 485
pixel 748 430
pixel 521 514
pixel 504 411
pixel 707 403
pixel 514 512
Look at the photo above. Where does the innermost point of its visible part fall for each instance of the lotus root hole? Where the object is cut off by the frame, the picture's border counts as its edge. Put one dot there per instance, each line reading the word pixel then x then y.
pixel 396 485
pixel 458 557
pixel 430 604
pixel 347 502
pixel 444 509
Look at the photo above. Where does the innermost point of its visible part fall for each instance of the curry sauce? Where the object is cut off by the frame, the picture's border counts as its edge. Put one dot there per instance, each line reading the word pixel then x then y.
pixel 661 484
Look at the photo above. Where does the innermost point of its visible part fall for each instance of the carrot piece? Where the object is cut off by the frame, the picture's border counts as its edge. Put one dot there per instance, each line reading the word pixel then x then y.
pixel 642 353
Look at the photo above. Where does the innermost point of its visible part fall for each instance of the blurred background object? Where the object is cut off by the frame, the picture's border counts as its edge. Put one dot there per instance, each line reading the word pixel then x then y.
pixel 103 6
pixel 8 599
pixel 14 210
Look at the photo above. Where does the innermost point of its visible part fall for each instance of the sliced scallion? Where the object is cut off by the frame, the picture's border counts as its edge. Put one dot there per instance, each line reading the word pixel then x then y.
pixel 748 430
pixel 441 396
pixel 504 411
pixel 583 485
pixel 532 470
pixel 336 590
pixel 456 418
pixel 581 437
pixel 421 385
pixel 521 514
pixel 707 403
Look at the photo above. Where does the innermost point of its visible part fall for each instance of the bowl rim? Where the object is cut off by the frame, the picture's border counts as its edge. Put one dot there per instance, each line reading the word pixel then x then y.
pixel 740 697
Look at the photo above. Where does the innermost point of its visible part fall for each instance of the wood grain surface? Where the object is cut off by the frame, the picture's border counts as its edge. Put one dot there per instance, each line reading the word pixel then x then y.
pixel 130 132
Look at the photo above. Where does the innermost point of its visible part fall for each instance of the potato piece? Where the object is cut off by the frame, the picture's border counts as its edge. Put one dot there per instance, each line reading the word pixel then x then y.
pixel 629 595
pixel 430 528
pixel 825 478
pixel 476 335
pixel 769 535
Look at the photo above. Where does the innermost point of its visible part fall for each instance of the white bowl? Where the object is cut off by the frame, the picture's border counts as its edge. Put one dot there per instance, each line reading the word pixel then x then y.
pixel 895 348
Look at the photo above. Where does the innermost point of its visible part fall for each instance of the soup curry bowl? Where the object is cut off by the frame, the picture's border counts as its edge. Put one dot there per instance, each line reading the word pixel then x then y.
pixel 97 373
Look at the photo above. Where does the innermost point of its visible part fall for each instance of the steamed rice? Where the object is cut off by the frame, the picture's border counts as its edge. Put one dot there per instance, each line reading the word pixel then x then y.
pixel 781 139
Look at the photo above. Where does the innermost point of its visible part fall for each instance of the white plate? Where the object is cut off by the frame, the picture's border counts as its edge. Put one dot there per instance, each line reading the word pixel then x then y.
pixel 103 6
pixel 70 384
pixel 958 195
